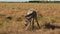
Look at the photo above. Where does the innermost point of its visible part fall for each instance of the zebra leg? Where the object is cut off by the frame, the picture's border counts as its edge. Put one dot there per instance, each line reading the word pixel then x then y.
pixel 28 23
pixel 37 22
pixel 32 23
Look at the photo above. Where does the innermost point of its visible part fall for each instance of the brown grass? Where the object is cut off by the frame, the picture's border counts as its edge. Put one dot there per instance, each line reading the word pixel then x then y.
pixel 47 12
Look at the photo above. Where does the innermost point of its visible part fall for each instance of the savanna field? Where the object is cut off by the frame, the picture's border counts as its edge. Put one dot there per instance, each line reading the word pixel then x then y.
pixel 12 17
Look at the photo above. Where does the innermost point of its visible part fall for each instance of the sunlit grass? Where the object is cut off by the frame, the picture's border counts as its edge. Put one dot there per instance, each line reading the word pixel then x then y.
pixel 12 16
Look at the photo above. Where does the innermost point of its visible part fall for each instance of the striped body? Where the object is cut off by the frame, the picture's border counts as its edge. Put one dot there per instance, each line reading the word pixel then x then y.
pixel 30 15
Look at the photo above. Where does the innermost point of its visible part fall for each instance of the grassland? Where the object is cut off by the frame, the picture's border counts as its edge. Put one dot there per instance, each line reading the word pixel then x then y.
pixel 12 17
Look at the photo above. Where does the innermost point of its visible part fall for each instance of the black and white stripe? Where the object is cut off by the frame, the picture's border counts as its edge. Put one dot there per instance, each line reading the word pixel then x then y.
pixel 29 16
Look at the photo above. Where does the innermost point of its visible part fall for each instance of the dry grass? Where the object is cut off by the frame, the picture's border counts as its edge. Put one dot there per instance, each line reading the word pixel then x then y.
pixel 47 12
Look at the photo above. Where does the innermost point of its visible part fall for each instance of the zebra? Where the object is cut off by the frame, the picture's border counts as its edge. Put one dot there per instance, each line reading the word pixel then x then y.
pixel 32 14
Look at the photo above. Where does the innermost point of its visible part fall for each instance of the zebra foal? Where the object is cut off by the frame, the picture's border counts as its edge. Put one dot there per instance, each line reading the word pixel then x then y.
pixel 31 16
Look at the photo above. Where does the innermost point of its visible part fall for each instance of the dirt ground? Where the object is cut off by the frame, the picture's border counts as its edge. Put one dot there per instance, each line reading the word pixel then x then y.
pixel 12 17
